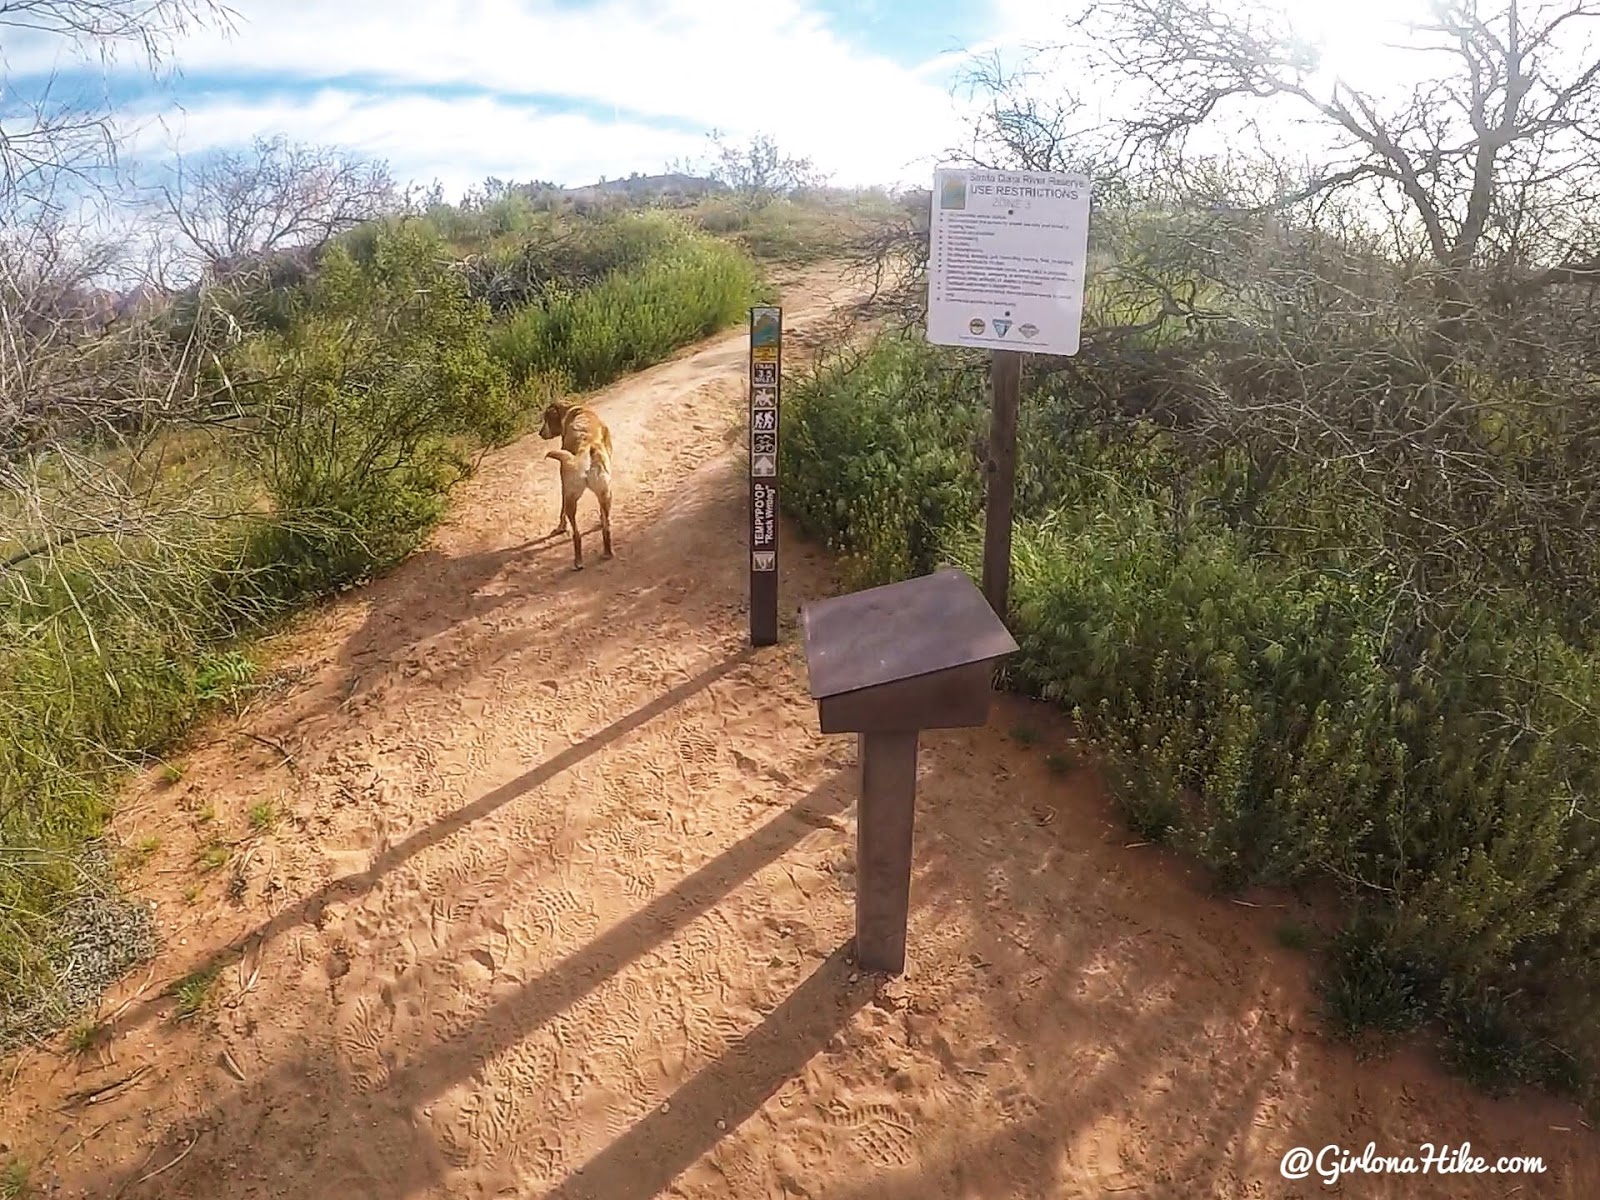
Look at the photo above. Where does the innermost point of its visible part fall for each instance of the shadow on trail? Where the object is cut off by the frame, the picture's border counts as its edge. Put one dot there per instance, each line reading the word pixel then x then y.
pixel 644 1161
pixel 370 1144
pixel 621 593
pixel 309 909
pixel 431 593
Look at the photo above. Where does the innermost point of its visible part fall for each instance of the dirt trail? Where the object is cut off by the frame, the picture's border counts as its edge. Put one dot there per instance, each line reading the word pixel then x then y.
pixel 562 906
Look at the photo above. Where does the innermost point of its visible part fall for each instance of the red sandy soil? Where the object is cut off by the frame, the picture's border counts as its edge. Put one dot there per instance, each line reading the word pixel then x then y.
pixel 562 900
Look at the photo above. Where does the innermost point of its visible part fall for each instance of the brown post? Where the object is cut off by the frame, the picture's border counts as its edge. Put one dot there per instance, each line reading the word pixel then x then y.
pixel 886 663
pixel 884 824
pixel 766 386
pixel 1005 384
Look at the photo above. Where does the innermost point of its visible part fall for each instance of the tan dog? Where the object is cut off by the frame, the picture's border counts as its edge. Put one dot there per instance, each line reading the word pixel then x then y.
pixel 585 458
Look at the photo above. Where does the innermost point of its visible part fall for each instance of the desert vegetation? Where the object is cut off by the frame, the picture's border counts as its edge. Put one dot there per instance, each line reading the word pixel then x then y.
pixel 272 406
pixel 1307 533
pixel 1307 539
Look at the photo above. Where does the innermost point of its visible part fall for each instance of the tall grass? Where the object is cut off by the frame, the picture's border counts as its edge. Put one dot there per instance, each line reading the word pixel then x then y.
pixel 101 650
pixel 361 412
pixel 690 287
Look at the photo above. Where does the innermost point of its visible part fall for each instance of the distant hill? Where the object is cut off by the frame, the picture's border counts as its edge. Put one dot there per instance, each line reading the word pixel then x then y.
pixel 635 186
pixel 87 309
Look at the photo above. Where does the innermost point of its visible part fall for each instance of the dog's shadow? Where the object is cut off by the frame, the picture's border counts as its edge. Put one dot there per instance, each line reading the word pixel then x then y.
pixel 544 539
pixel 555 538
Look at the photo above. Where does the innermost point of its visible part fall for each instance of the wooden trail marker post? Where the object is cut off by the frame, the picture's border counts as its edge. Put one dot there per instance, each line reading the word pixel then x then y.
pixel 1006 260
pixel 885 664
pixel 766 382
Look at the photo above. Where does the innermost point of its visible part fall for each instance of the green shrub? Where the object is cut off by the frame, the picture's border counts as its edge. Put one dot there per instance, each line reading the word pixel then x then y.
pixel 1277 714
pixel 1367 987
pixel 368 409
pixel 561 257
pixel 684 287
pixel 877 460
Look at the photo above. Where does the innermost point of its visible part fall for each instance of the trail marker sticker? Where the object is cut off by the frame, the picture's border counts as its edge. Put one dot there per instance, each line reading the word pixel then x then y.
pixel 766 373
pixel 1007 248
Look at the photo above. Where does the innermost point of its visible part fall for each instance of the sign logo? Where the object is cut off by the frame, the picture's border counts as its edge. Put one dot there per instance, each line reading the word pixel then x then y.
pixel 764 330
pixel 764 466
pixel 763 442
pixel 953 192
pixel 1028 331
pixel 765 374
pixel 976 326
pixel 764 399
pixel 764 560
pixel 764 419
pixel 1001 325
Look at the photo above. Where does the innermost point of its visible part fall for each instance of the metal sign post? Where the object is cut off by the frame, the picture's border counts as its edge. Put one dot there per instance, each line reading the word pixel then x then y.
pixel 766 382
pixel 1007 253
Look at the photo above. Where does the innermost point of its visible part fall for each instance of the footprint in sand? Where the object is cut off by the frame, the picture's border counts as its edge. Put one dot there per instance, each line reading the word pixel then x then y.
pixel 877 1131
pixel 363 1036
pixel 1096 1155
pixel 487 1123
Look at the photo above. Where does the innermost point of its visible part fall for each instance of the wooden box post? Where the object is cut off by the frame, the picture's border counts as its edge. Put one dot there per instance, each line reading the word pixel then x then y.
pixel 884 664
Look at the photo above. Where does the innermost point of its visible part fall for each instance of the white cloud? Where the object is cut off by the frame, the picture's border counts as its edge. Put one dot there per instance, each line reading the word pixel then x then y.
pixel 459 142
pixel 741 67
pixel 350 74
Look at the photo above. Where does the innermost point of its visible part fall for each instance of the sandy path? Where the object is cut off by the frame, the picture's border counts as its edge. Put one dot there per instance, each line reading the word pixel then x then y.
pixel 563 904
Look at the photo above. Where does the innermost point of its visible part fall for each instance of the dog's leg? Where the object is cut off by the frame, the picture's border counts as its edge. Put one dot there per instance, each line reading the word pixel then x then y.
pixel 603 494
pixel 565 459
pixel 569 515
pixel 561 525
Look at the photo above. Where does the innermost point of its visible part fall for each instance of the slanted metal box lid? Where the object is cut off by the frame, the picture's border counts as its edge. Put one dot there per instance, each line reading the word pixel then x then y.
pixel 900 631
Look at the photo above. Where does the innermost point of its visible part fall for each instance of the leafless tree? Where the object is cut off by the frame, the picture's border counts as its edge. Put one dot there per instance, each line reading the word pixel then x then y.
pixel 233 206
pixel 1485 161
pixel 66 379
pixel 758 171
pixel 45 139
pixel 1019 122
pixel 104 25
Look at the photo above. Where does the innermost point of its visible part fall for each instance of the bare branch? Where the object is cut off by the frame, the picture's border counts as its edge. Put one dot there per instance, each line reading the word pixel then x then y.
pixel 233 206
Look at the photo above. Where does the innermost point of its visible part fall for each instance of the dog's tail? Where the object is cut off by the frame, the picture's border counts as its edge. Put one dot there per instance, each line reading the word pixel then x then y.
pixel 587 456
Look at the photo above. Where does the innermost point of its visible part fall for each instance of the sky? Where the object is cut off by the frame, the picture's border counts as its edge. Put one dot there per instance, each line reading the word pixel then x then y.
pixel 566 90
pixel 576 90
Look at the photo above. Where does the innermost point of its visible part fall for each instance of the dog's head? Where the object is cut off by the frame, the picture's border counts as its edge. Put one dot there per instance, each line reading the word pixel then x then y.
pixel 554 415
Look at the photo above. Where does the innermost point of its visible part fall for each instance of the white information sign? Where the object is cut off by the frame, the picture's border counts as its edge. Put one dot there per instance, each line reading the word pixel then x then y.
pixel 1006 260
